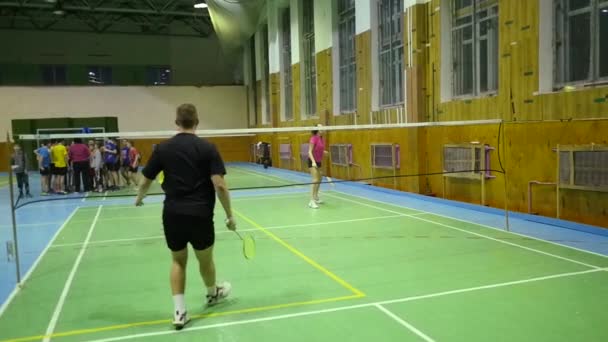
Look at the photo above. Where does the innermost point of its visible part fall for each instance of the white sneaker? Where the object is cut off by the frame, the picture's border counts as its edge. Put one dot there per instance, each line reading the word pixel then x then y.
pixel 313 205
pixel 319 201
pixel 180 319
pixel 222 291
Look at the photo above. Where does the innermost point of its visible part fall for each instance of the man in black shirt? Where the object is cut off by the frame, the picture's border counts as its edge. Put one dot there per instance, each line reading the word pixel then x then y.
pixel 193 173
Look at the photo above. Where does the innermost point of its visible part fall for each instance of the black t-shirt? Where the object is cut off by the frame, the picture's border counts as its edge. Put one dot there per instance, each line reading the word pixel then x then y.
pixel 188 162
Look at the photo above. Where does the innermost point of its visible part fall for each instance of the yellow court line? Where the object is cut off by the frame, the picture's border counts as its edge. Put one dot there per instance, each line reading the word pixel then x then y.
pixel 168 321
pixel 313 263
pixel 356 294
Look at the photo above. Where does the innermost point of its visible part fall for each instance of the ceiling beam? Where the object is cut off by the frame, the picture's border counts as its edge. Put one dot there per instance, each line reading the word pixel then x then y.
pixel 11 4
pixel 190 35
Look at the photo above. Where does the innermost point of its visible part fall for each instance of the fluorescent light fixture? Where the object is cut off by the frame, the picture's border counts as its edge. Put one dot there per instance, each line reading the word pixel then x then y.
pixel 58 8
pixel 200 5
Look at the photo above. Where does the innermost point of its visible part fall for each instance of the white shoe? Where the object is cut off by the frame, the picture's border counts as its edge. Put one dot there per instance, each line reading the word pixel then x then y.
pixel 180 319
pixel 222 291
pixel 313 205
pixel 319 201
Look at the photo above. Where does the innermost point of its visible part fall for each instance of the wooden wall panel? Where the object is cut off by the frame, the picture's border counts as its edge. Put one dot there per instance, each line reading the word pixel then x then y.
pixel 528 153
pixel 324 86
pixel 5 155
pixel 517 97
pixel 363 58
pixel 526 156
pixel 258 102
pixel 275 99
pixel 588 103
pixel 232 149
pixel 417 48
pixel 297 94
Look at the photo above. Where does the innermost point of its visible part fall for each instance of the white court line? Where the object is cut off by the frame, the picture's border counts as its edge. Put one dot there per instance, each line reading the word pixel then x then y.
pixel 466 221
pixel 155 237
pixel 105 195
pixel 233 199
pixel 19 225
pixel 404 323
pixel 469 232
pixel 343 308
pixel 477 224
pixel 84 199
pixel 241 230
pixel 35 264
pixel 68 283
pixel 269 177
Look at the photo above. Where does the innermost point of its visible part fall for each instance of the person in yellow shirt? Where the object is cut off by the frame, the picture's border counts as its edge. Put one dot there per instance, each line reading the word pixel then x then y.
pixel 59 156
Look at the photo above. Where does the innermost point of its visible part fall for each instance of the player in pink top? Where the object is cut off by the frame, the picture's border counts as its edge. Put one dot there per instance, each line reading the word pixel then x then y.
pixel 134 159
pixel 316 151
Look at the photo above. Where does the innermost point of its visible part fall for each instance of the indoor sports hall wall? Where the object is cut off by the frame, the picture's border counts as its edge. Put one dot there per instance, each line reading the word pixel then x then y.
pixel 527 156
pixel 232 149
pixel 192 60
pixel 137 108
pixel 538 115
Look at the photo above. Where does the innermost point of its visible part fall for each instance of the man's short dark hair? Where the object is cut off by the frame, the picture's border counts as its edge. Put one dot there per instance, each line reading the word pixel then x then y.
pixel 186 116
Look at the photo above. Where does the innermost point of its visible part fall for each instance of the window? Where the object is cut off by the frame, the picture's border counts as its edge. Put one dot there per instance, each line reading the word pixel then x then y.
pixel 158 75
pixel 308 50
pixel 474 46
pixel 100 75
pixel 584 167
pixel 287 79
pixel 54 75
pixel 466 161
pixel 266 118
pixel 581 41
pixel 348 86
pixel 390 52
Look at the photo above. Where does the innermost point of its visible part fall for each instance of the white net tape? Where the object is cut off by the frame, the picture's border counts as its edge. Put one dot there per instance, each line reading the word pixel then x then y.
pixel 253 131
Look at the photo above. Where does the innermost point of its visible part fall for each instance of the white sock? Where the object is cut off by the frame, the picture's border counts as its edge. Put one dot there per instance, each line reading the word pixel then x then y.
pixel 179 303
pixel 212 291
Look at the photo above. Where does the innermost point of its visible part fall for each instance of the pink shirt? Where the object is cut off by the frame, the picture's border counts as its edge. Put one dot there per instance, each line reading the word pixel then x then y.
pixel 318 147
pixel 79 153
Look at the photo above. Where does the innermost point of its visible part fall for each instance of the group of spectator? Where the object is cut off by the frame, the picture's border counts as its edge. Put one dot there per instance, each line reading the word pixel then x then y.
pixel 79 167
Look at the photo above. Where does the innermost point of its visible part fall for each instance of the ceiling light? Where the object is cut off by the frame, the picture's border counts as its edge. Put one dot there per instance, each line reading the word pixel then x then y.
pixel 200 5
pixel 58 9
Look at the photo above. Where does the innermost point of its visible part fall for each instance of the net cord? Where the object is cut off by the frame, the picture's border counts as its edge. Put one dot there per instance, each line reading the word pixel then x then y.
pixel 253 131
pixel 334 181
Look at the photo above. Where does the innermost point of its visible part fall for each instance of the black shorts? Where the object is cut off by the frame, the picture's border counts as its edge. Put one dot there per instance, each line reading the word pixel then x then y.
pixel 183 229
pixel 45 171
pixel 113 167
pixel 310 164
pixel 60 171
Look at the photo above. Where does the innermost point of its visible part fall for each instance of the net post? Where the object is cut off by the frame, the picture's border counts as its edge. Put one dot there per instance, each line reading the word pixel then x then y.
pixel 11 191
pixel 506 180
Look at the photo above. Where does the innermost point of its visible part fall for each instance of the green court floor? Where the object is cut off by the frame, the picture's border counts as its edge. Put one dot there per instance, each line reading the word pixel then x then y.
pixel 355 270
